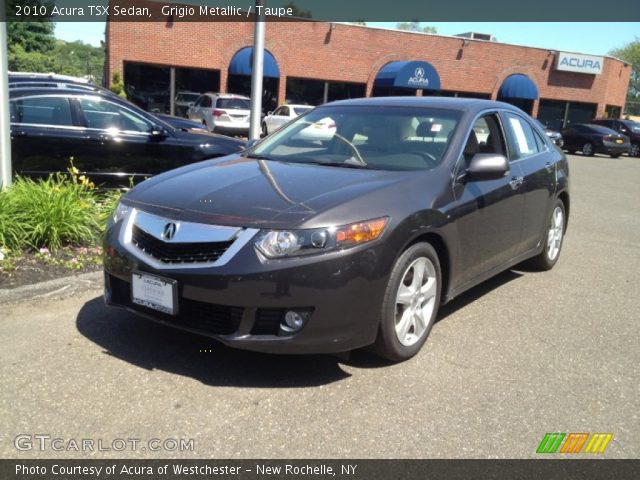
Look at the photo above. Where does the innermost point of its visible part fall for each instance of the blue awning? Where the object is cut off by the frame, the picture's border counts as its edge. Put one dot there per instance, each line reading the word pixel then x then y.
pixel 242 62
pixel 520 86
pixel 416 74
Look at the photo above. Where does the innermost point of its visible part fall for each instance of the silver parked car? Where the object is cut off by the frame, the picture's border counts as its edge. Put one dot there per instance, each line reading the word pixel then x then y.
pixel 225 113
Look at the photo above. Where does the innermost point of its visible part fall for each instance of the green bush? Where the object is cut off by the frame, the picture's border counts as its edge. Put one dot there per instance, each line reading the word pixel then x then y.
pixel 56 211
pixel 12 235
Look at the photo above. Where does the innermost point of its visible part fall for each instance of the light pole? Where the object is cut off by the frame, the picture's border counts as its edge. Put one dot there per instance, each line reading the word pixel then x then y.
pixel 256 72
pixel 5 138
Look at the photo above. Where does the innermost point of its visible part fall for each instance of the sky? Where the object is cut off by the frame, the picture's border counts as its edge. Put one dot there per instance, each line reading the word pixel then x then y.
pixel 589 38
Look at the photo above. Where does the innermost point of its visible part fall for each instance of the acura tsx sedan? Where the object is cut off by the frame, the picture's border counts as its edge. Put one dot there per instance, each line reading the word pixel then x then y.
pixel 308 245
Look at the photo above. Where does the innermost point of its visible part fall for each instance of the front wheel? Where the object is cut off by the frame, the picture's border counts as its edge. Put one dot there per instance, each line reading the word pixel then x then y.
pixel 410 303
pixel 553 237
pixel 264 130
pixel 635 150
pixel 587 149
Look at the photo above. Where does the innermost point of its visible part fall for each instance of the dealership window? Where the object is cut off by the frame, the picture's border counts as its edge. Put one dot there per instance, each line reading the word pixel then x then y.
pixel 149 86
pixel 453 93
pixel 316 92
pixel 579 112
pixel 241 85
pixel 551 113
pixel 612 111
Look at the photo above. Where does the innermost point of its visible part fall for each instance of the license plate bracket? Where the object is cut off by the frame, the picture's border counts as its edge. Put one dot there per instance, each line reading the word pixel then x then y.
pixel 154 292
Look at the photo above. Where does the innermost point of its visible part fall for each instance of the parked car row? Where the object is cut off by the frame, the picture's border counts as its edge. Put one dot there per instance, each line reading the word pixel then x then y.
pixel 595 138
pixel 56 120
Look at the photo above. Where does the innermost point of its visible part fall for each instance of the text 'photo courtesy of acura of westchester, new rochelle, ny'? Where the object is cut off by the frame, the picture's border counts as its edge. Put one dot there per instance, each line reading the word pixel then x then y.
pixel 308 243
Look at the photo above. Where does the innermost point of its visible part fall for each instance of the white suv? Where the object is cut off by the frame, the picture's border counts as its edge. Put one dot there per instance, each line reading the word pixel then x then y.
pixel 222 113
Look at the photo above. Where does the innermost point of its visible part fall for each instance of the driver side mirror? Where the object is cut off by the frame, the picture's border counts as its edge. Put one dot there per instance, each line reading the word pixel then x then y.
pixel 487 166
pixel 158 132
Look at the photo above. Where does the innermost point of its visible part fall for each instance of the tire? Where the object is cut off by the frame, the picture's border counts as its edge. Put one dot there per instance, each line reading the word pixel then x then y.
pixel 587 149
pixel 264 130
pixel 408 310
pixel 614 155
pixel 553 238
pixel 635 150
pixel 571 152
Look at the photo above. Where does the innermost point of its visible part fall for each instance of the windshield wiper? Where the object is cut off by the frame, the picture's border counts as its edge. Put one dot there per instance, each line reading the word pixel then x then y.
pixel 256 156
pixel 348 163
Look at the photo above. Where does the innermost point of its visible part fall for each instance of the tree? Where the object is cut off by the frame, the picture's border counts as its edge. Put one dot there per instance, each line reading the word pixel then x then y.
pixel 416 26
pixel 630 53
pixel 30 43
pixel 296 11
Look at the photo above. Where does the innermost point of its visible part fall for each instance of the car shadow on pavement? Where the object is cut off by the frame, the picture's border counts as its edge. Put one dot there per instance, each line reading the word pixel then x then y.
pixel 476 292
pixel 153 346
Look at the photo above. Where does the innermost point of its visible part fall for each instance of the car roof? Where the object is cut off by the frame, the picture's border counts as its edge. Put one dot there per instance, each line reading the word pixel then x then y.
pixel 226 95
pixel 597 128
pixel 455 103
pixel 30 76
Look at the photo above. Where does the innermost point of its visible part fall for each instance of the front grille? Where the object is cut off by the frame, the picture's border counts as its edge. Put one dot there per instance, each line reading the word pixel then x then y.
pixel 201 316
pixel 268 321
pixel 200 252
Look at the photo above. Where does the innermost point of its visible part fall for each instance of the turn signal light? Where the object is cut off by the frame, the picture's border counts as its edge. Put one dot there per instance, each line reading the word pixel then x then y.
pixel 357 233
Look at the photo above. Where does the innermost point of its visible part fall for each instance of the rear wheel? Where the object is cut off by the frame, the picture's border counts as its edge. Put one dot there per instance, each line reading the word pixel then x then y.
pixel 587 149
pixel 635 150
pixel 410 304
pixel 553 237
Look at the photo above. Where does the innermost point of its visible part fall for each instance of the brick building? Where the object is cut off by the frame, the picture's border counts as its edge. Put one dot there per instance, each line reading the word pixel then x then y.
pixel 313 62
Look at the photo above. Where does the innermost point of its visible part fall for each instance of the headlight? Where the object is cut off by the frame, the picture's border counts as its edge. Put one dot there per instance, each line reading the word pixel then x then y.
pixel 120 211
pixel 287 243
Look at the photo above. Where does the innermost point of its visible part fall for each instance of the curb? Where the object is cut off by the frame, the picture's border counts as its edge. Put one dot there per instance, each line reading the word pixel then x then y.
pixel 56 288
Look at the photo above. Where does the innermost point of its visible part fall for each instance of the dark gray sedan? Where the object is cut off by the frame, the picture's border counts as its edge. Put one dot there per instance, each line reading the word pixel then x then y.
pixel 309 243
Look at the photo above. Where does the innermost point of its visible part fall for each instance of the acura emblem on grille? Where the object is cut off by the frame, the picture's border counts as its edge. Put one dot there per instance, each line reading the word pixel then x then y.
pixel 169 231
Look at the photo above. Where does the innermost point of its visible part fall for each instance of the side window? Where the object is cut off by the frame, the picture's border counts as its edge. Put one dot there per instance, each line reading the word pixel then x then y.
pixel 42 111
pixel 199 101
pixel 285 111
pixel 105 115
pixel 521 137
pixel 278 111
pixel 485 137
pixel 206 102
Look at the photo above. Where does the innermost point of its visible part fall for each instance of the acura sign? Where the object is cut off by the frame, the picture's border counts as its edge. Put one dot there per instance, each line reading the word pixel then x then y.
pixel 574 62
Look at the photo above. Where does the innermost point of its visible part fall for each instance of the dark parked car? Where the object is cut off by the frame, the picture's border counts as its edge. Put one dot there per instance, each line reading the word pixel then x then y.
pixel 592 139
pixel 181 122
pixel 108 138
pixel 625 127
pixel 300 245
pixel 554 135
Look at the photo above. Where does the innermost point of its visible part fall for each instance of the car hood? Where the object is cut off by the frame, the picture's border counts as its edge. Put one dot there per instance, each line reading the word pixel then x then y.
pixel 238 191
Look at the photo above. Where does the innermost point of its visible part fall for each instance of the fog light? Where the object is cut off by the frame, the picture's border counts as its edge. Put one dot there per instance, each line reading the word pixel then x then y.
pixel 294 320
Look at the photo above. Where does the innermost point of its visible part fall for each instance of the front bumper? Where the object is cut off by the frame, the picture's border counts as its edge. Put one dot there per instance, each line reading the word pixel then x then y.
pixel 242 303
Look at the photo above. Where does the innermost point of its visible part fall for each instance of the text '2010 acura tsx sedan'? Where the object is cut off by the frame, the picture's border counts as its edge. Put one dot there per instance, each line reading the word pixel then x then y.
pixel 308 245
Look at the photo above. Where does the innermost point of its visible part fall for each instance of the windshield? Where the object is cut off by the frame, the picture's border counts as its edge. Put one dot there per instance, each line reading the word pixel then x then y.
pixel 301 110
pixel 187 97
pixel 633 126
pixel 384 138
pixel 233 104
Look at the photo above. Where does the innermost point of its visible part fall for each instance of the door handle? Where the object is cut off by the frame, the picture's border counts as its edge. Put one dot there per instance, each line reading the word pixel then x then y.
pixel 516 182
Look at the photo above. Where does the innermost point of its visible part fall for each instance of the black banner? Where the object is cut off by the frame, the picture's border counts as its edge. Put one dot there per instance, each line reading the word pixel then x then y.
pixel 323 10
pixel 565 469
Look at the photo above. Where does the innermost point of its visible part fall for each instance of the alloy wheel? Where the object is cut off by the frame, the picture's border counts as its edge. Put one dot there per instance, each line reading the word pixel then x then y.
pixel 554 235
pixel 415 301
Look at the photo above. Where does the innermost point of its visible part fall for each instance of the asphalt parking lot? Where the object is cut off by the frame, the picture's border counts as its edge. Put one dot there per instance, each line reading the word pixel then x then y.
pixel 521 355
